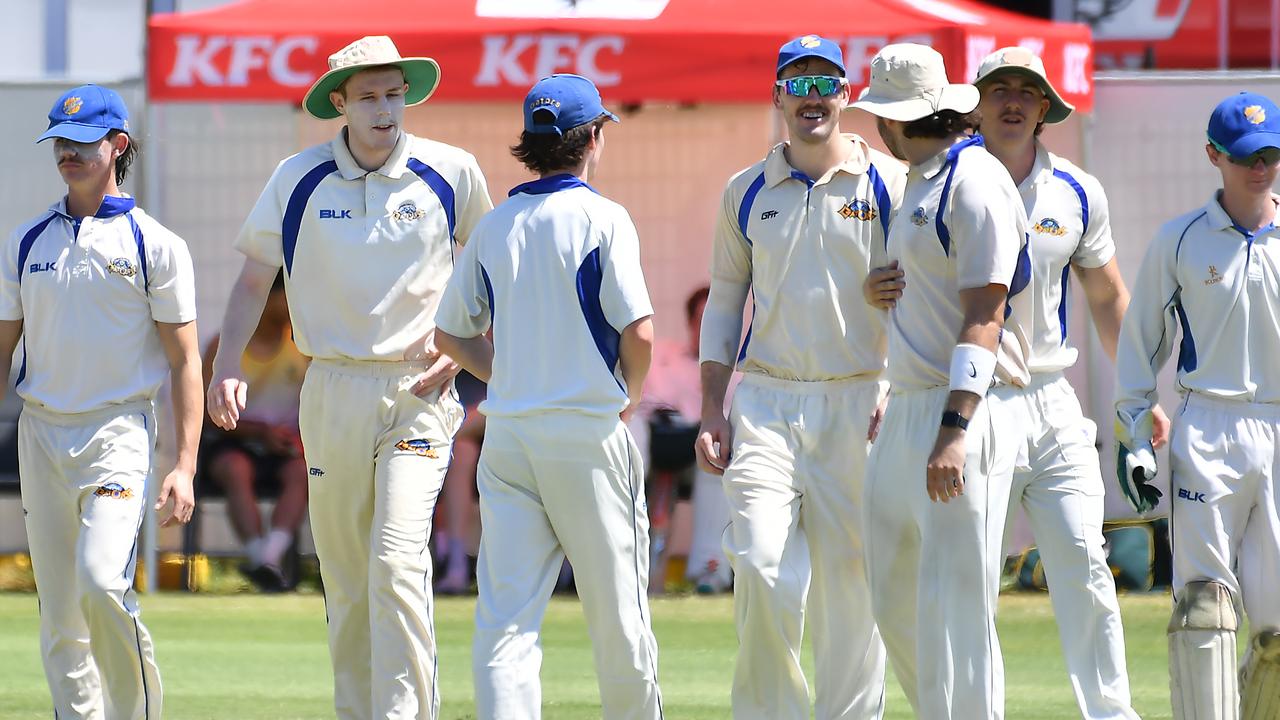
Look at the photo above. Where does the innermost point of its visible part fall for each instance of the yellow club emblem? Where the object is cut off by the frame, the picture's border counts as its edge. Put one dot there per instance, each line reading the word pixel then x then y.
pixel 72 105
pixel 1255 114
pixel 810 41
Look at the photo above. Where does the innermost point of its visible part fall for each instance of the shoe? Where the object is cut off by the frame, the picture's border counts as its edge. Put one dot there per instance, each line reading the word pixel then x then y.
pixel 267 578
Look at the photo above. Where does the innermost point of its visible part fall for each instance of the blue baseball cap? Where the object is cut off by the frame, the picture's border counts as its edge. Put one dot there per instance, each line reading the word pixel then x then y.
pixel 1245 123
pixel 571 100
pixel 807 46
pixel 86 114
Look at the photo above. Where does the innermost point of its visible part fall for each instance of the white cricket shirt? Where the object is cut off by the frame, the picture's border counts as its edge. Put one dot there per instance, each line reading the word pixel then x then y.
pixel 802 247
pixel 556 271
pixel 89 293
pixel 962 226
pixel 366 254
pixel 1215 288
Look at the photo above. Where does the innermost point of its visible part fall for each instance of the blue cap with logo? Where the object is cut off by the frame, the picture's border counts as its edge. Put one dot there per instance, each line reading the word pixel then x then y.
pixel 811 46
pixel 86 114
pixel 1245 123
pixel 568 100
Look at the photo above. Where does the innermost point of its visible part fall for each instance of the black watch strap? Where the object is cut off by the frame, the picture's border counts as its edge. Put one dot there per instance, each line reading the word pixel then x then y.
pixel 951 418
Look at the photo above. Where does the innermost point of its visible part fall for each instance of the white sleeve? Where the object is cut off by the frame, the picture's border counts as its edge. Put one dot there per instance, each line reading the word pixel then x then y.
pixel 171 278
pixel 471 201
pixel 1096 246
pixel 1147 332
pixel 988 229
pixel 623 295
pixel 730 282
pixel 465 308
pixel 10 287
pixel 261 236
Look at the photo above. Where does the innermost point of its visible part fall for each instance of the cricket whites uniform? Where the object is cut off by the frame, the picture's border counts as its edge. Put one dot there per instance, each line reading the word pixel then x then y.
pixel 1057 479
pixel 366 256
pixel 555 270
pixel 935 567
pixel 89 292
pixel 812 366
pixel 1217 286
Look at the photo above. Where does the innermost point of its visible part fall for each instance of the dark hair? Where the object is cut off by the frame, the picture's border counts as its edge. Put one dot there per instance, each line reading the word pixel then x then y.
pixel 942 124
pixel 544 153
pixel 1039 128
pixel 125 160
pixel 691 305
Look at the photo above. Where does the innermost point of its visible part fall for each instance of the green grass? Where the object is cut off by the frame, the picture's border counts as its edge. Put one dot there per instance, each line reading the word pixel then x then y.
pixel 253 656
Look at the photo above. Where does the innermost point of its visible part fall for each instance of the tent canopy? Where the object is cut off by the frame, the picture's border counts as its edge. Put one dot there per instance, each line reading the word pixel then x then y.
pixel 635 50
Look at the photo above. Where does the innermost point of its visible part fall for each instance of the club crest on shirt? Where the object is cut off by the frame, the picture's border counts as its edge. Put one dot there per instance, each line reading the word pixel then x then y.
pixel 860 209
pixel 418 446
pixel 72 105
pixel 113 490
pixel 1049 226
pixel 919 218
pixel 123 267
pixel 408 212
pixel 1215 277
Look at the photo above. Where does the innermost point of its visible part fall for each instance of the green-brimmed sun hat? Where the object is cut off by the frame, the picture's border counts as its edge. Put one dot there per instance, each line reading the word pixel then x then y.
pixel 421 74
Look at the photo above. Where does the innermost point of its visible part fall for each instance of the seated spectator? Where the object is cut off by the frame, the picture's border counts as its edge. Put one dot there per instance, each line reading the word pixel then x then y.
pixel 458 539
pixel 668 417
pixel 263 455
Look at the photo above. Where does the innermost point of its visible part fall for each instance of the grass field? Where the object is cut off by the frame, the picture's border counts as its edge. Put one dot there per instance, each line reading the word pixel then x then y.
pixel 254 656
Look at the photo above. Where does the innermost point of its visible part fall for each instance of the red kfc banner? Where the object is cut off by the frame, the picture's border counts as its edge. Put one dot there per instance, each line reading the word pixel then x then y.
pixel 634 50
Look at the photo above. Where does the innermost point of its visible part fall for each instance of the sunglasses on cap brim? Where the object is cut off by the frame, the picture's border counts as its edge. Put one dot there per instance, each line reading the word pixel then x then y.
pixel 799 86
pixel 1269 156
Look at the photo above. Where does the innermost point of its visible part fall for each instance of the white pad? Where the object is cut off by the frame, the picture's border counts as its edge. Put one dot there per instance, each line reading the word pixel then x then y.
pixel 1202 653
pixel 1260 678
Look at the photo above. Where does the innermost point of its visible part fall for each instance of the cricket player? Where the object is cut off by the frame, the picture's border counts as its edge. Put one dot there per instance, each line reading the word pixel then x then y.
pixel 1057 479
pixel 935 517
pixel 103 299
pixel 365 227
pixel 555 271
pixel 1212 276
pixel 800 230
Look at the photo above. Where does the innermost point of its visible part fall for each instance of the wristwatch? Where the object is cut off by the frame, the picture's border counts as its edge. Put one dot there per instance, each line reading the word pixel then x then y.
pixel 951 418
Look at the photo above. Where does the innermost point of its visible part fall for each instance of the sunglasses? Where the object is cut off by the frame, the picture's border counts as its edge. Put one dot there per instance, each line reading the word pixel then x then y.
pixel 1269 156
pixel 799 86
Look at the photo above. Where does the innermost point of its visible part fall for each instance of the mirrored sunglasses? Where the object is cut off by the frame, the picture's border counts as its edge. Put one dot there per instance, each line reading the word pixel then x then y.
pixel 799 86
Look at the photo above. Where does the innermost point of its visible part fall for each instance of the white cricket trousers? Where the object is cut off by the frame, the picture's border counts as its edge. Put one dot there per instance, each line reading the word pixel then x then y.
pixel 1057 482
pixel 84 489
pixel 794 486
pixel 558 485
pixel 935 567
pixel 1225 512
pixel 377 455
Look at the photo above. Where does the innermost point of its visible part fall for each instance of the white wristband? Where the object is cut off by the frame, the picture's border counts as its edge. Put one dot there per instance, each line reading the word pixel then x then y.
pixel 972 368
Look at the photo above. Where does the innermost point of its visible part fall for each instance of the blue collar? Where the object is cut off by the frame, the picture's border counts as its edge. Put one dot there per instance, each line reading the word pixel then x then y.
pixel 112 205
pixel 968 142
pixel 550 184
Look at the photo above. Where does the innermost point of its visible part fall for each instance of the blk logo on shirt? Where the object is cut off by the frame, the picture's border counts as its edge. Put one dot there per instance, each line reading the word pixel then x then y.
pixel 326 214
pixel 42 267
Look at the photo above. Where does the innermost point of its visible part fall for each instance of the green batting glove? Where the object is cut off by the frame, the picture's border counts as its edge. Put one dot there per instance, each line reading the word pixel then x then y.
pixel 1136 471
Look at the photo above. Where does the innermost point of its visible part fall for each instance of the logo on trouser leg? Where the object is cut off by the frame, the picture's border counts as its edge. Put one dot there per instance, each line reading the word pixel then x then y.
pixel 113 490
pixel 418 446
pixel 1186 494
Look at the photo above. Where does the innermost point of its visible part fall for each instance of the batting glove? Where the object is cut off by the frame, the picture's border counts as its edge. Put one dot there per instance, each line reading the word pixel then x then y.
pixel 1136 471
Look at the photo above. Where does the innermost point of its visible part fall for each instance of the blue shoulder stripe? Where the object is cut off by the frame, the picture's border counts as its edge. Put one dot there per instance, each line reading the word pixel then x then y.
pixel 1084 199
pixel 953 159
pixel 748 198
pixel 488 290
pixel 439 186
pixel 883 203
pixel 298 205
pixel 607 339
pixel 29 240
pixel 142 251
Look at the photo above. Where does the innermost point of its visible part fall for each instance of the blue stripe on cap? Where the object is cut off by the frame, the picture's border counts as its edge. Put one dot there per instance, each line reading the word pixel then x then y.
pixel 953 159
pixel 607 339
pixel 1084 199
pixel 28 240
pixel 748 198
pixel 1062 302
pixel 297 206
pixel 883 204
pixel 142 251
pixel 488 291
pixel 438 185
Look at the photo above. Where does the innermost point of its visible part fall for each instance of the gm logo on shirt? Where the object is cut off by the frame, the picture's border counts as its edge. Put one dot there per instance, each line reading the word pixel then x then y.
pixel 335 214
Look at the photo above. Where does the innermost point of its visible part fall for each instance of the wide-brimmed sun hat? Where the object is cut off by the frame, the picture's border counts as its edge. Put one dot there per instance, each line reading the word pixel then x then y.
pixel 909 82
pixel 1021 61
pixel 421 74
